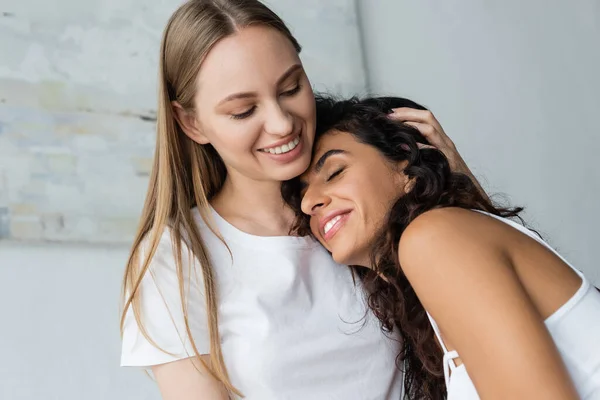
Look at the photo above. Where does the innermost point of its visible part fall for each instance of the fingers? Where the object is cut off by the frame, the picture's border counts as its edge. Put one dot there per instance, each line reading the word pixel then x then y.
pixel 429 132
pixel 419 145
pixel 405 114
pixel 426 123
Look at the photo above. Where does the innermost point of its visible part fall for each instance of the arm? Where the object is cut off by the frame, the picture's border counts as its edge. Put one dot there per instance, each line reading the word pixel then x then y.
pixel 166 348
pixel 469 286
pixel 188 379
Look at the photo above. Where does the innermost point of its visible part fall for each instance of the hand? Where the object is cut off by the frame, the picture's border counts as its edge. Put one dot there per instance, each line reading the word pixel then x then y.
pixel 431 129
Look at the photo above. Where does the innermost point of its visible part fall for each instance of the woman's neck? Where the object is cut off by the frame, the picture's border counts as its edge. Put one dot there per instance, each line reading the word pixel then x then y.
pixel 255 207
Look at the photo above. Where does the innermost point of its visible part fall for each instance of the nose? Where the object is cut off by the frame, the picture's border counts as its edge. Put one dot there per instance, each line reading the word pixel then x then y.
pixel 279 121
pixel 314 199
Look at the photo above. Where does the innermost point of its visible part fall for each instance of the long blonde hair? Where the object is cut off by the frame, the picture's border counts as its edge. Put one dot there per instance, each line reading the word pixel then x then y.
pixel 185 174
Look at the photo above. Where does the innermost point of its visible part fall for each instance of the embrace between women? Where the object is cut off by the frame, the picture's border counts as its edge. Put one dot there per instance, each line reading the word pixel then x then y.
pixel 301 248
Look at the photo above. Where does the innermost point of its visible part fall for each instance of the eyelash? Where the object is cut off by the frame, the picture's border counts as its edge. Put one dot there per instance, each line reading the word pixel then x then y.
pixel 245 114
pixel 248 113
pixel 336 173
pixel 293 91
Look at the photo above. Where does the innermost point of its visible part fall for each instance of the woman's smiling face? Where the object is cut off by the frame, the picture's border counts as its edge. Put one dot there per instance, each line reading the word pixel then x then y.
pixel 348 190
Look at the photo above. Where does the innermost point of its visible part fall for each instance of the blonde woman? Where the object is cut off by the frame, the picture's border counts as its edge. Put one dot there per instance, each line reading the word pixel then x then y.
pixel 219 301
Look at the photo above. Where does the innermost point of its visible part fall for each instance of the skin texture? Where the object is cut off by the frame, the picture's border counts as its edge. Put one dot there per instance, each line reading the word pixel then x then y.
pixel 452 256
pixel 187 379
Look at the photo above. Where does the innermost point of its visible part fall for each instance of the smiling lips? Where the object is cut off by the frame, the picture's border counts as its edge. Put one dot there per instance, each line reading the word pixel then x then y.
pixel 282 149
pixel 332 223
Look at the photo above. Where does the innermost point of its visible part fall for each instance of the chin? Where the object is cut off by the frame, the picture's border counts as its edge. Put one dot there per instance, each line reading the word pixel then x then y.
pixel 294 169
pixel 339 260
pixel 341 257
pixel 350 257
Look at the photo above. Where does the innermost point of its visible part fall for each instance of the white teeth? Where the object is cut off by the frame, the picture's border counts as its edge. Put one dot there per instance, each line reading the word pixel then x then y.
pixel 283 149
pixel 331 223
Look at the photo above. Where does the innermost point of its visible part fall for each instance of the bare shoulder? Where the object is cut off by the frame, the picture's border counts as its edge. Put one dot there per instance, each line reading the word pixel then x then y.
pixel 461 266
pixel 450 233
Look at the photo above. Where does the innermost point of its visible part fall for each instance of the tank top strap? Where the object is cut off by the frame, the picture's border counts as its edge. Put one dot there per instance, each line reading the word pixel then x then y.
pixel 449 356
pixel 438 334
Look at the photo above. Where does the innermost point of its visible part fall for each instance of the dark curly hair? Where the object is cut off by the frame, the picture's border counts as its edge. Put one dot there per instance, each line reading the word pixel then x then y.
pixel 392 298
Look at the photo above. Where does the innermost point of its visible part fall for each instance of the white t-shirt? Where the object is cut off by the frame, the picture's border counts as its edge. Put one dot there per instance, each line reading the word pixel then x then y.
pixel 292 321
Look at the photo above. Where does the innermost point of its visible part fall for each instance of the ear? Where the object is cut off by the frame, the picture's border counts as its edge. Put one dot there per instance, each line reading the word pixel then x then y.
pixel 410 184
pixel 188 123
pixel 404 181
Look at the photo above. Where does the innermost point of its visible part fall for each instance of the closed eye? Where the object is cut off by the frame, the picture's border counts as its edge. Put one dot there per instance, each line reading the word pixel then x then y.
pixel 245 114
pixel 336 173
pixel 293 91
pixel 250 111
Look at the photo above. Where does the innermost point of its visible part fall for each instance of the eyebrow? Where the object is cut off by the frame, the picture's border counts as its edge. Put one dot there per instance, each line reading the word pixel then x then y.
pixel 319 165
pixel 246 95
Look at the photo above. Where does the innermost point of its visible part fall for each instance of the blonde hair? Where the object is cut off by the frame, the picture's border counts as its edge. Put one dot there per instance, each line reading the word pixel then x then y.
pixel 184 173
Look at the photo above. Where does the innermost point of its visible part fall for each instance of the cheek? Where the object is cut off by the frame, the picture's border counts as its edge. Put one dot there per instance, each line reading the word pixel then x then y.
pixel 374 196
pixel 230 137
pixel 314 227
pixel 358 188
pixel 308 100
pixel 304 107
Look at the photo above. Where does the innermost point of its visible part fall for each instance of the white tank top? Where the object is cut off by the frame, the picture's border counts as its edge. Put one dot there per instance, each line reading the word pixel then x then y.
pixel 575 328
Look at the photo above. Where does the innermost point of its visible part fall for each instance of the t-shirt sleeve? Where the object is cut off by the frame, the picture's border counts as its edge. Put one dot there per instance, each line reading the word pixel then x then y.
pixel 162 313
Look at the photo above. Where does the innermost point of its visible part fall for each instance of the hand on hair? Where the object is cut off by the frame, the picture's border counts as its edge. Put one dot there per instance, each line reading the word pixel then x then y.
pixel 428 125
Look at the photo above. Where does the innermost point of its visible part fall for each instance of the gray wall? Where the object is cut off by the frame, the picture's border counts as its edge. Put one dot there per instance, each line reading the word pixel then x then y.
pixel 59 337
pixel 516 85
